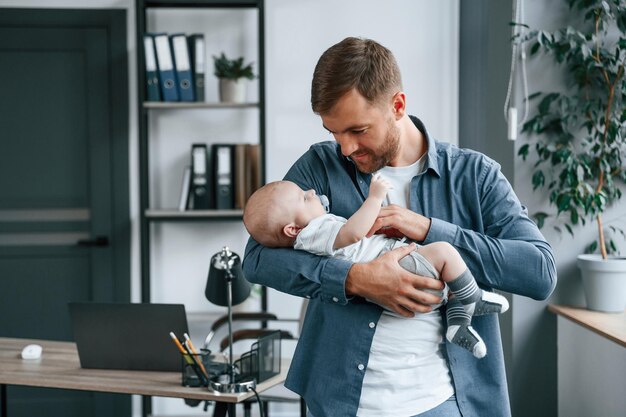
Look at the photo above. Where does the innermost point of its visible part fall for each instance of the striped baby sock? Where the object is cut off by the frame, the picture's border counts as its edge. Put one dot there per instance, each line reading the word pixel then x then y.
pixel 460 332
pixel 476 301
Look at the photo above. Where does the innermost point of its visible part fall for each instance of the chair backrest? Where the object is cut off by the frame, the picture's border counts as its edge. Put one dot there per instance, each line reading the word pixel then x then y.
pixel 255 331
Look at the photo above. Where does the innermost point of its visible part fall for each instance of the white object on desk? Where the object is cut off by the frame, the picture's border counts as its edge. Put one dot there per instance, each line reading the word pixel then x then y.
pixel 32 352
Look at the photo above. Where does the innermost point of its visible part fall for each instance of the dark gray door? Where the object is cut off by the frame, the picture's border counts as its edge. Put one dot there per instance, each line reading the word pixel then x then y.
pixel 64 217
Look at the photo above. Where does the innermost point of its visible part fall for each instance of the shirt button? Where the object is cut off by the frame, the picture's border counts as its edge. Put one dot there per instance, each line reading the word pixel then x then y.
pixel 372 325
pixel 308 296
pixel 361 367
pixel 335 299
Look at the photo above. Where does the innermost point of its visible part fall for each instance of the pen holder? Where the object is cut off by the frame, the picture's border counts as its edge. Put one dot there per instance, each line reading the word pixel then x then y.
pixel 193 374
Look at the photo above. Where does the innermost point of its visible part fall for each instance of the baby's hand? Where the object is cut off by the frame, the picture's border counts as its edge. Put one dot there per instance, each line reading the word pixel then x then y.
pixel 379 187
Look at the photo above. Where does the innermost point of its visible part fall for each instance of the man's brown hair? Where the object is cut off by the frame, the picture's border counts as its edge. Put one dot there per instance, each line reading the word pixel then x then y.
pixel 354 63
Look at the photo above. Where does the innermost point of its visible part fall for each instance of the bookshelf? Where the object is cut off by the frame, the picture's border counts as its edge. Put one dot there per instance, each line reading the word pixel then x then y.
pixel 150 112
pixel 157 207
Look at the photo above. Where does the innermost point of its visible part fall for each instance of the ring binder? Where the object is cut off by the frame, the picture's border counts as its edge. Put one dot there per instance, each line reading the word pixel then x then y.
pixel 167 77
pixel 200 184
pixel 223 166
pixel 153 92
pixel 182 64
pixel 197 56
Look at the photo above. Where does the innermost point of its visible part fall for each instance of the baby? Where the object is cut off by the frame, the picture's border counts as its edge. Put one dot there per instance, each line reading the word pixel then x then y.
pixel 281 214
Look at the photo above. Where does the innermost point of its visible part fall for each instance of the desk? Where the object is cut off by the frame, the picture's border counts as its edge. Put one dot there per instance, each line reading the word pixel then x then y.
pixel 611 326
pixel 59 367
pixel 591 361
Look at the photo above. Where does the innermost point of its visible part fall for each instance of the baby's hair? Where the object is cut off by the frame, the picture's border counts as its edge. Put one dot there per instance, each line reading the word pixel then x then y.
pixel 265 215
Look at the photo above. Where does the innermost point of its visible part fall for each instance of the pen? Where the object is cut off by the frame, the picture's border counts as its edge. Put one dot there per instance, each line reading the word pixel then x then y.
pixel 193 350
pixel 177 343
pixel 189 359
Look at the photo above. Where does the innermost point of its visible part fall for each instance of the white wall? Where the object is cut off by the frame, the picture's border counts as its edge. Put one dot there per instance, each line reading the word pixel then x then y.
pixel 422 34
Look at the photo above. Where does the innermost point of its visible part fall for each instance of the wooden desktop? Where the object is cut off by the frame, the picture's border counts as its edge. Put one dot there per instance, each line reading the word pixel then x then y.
pixel 59 367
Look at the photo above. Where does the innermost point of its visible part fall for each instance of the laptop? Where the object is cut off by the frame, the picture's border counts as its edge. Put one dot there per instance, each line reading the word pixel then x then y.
pixel 128 336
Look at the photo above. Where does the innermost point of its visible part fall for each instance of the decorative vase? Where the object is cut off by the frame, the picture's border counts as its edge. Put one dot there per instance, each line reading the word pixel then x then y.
pixel 604 282
pixel 233 91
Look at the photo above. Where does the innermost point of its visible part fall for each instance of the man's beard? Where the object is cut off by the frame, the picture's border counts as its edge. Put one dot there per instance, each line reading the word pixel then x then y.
pixel 384 155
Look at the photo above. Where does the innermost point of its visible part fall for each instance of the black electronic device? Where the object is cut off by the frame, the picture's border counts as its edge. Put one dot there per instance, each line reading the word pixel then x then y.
pixel 128 336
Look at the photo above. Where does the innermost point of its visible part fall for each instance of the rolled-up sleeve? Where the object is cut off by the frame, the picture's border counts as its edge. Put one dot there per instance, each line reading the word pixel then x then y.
pixel 510 254
pixel 296 272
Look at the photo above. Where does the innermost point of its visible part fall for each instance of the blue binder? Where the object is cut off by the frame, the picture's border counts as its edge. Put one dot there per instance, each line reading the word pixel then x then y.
pixel 165 62
pixel 182 63
pixel 153 92
pixel 197 56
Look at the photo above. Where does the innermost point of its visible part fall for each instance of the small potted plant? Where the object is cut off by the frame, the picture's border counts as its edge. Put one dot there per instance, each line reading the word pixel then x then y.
pixel 232 75
pixel 579 136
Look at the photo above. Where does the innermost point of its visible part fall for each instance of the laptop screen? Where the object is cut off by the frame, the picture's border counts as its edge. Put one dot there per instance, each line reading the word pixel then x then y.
pixel 128 336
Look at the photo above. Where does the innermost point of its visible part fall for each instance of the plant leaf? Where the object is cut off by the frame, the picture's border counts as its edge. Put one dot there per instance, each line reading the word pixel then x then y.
pixel 540 219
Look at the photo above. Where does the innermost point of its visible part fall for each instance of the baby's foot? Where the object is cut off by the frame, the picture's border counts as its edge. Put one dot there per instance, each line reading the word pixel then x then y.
pixel 467 338
pixel 489 303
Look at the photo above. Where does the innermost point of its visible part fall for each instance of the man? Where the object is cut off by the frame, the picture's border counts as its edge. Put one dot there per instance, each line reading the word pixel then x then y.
pixel 353 356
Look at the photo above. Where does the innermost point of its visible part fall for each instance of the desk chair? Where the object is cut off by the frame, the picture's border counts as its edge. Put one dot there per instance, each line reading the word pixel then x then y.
pixel 278 394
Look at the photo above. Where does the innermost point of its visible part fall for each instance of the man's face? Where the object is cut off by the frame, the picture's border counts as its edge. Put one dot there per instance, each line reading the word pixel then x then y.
pixel 366 133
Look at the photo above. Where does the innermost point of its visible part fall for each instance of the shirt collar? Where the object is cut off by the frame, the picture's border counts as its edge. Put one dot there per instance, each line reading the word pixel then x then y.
pixel 431 161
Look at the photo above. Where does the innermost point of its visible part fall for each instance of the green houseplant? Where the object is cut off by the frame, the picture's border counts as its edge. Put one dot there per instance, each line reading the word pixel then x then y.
pixel 232 75
pixel 579 134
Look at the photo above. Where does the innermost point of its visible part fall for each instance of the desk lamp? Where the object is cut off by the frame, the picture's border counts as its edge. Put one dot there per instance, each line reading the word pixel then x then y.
pixel 226 286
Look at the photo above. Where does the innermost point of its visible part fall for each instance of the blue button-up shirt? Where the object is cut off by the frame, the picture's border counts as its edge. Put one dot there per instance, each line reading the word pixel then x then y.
pixel 473 207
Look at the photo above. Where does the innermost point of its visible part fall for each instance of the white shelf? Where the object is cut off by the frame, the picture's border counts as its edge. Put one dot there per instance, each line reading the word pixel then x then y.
pixel 173 105
pixel 173 214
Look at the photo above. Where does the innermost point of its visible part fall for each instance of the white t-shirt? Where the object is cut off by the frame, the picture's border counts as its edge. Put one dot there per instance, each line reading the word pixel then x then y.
pixel 407 373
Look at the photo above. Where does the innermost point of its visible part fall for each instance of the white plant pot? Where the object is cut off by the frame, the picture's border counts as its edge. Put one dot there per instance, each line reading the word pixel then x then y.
pixel 604 282
pixel 233 91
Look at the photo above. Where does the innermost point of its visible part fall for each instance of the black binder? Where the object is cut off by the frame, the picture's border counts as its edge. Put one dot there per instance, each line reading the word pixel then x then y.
pixel 223 169
pixel 200 198
pixel 152 76
pixel 197 55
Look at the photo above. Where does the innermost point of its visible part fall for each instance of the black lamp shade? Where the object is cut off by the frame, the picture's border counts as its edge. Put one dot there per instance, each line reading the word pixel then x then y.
pixel 216 286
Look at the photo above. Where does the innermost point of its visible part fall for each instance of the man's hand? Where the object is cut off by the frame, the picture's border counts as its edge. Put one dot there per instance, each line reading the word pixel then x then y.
pixel 395 221
pixel 386 283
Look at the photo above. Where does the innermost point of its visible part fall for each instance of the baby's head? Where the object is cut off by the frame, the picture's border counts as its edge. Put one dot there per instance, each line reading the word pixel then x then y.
pixel 276 212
